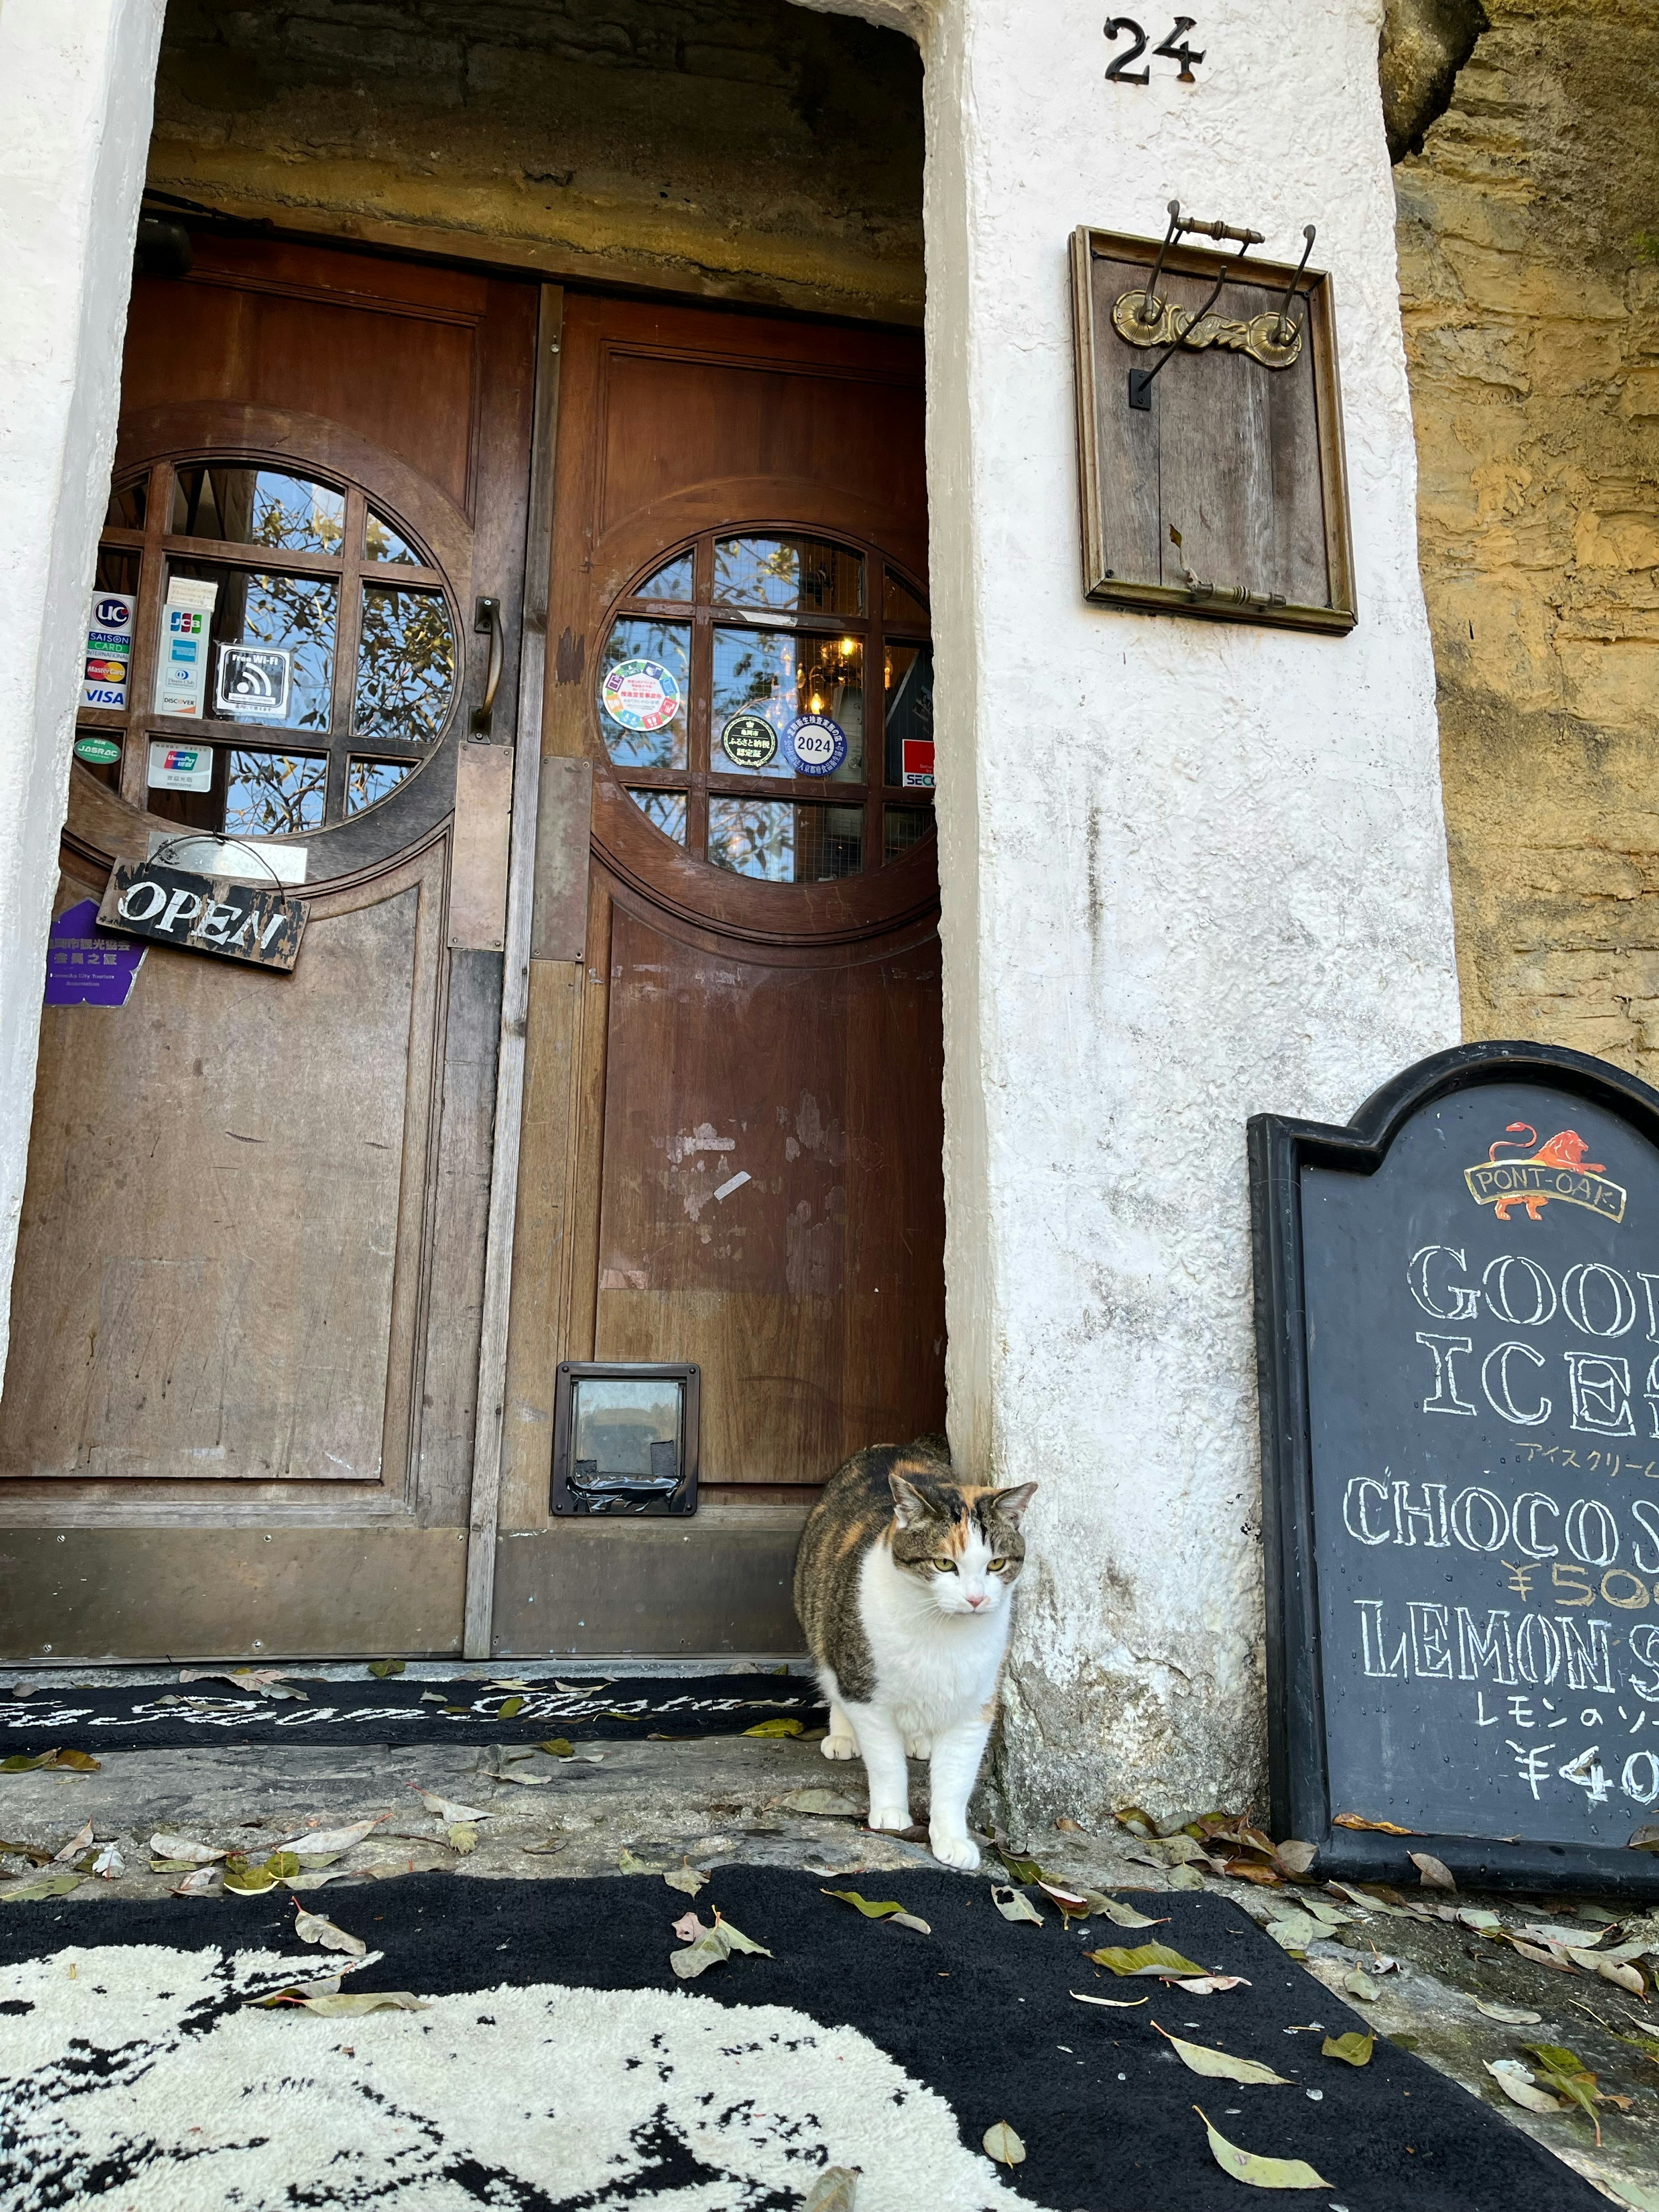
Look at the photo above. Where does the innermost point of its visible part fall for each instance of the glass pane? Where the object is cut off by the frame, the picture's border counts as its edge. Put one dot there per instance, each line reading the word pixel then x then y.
pixel 367 780
pixel 784 843
pixel 665 810
pixel 117 571
pixel 258 507
pixel 126 507
pixel 406 665
pixel 910 716
pixel 382 542
pixel 904 826
pixel 286 623
pixel 273 795
pixel 625 1435
pixel 773 675
pixel 790 576
pixel 671 582
pixel 645 680
pixel 899 604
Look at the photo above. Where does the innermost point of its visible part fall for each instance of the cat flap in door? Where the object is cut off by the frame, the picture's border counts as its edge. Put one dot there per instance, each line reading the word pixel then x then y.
pixel 625 1437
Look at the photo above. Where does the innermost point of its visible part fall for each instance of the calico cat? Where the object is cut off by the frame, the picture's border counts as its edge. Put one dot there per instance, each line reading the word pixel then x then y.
pixel 903 1584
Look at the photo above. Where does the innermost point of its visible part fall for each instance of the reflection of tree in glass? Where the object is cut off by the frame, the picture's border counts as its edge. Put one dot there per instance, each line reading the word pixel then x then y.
pixel 288 512
pixel 367 780
pixel 752 839
pixel 274 794
pixel 405 665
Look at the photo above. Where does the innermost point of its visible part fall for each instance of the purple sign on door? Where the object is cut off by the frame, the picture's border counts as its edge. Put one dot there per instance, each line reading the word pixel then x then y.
pixel 84 966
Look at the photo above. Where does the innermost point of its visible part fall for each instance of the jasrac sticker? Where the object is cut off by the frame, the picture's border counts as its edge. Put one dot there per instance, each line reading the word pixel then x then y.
pixel 816 745
pixel 641 694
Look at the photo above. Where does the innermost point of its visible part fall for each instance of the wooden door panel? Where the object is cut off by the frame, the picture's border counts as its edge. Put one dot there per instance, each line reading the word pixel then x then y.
pixel 811 1294
pixel 217 1210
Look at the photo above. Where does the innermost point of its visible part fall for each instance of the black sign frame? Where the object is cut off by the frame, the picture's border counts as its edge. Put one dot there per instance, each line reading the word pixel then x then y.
pixel 1279 1148
pixel 224 916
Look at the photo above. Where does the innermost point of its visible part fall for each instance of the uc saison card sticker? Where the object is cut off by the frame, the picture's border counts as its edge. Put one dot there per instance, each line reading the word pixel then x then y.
pixel 817 745
pixel 109 650
pixel 641 694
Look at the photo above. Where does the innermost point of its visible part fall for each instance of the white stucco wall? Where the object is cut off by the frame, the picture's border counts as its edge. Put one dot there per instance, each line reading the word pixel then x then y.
pixel 1191 871
pixel 75 85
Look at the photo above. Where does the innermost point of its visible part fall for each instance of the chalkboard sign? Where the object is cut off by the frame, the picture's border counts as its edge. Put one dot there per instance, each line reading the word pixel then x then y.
pixel 1457 1307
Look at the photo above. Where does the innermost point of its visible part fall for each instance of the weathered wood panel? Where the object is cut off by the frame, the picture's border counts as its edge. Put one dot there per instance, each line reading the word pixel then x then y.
pixel 206 1261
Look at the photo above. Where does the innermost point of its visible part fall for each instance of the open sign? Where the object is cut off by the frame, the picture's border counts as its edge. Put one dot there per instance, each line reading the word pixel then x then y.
pixel 204 913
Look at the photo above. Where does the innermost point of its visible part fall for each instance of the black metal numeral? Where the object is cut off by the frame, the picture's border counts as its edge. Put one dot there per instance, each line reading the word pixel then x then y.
pixel 1118 71
pixel 1182 53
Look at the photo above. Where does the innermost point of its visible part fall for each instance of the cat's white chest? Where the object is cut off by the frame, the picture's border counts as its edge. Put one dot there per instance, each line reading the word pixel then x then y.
pixel 931 1668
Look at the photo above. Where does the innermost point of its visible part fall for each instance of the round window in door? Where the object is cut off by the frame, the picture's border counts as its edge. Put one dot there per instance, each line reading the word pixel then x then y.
pixel 766 700
pixel 271 653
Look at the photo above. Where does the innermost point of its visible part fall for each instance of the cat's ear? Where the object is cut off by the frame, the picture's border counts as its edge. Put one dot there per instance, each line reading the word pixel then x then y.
pixel 1011 1504
pixel 909 1506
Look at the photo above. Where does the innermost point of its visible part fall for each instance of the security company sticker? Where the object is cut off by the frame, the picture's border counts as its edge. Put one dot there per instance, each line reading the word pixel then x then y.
pixel 109 650
pixel 252 682
pixel 816 745
pixel 750 741
pixel 641 694
pixel 180 767
pixel 917 763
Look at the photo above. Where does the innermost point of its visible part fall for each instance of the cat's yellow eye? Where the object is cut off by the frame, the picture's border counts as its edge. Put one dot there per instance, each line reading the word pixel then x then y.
pixel 997 1565
pixel 943 1566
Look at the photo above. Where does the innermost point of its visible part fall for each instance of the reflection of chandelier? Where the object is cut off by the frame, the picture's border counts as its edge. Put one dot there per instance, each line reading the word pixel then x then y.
pixel 836 668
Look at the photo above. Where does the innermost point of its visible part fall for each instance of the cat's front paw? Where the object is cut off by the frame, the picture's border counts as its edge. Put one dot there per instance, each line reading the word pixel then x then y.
pixel 896 1818
pixel 918 1747
pixel 959 1851
pixel 840 1747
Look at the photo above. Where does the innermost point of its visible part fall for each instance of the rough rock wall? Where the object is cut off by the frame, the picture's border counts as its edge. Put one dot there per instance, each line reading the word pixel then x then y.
pixel 1529 269
pixel 744 149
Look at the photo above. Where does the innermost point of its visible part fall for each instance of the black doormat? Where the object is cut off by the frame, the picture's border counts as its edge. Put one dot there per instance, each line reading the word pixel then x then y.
pixel 559 2064
pixel 401 1709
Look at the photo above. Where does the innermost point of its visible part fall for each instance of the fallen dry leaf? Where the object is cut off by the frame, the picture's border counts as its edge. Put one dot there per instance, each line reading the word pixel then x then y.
pixel 1260 2172
pixel 1020 1870
pixel 180 1851
pixel 1070 1827
pixel 313 1844
pixel 526 1781
pixel 22 1762
pixel 1352 2049
pixel 1205 1985
pixel 1198 2058
pixel 509 1708
pixel 446 1808
pixel 1145 1959
pixel 313 1928
pixel 338 2006
pixel 1136 1821
pixel 1297 1857
pixel 1358 1984
pixel 1378 1827
pixel 558 1747
pixel 627 1862
pixel 197 1883
pixel 263 1681
pixel 1435 1872
pixel 710 1947
pixel 686 1878
pixel 1511 2015
pixel 1117 2004
pixel 688 1928
pixel 819 1804
pixel 79 1842
pixel 380 1668
pixel 1002 2144
pixel 108 1864
pixel 1014 1904
pixel 461 1836
pixel 833 2190
pixel 29 1890
pixel 1074 1903
pixel 1184 1877
pixel 1516 2081
pixel 886 1909
pixel 772 1728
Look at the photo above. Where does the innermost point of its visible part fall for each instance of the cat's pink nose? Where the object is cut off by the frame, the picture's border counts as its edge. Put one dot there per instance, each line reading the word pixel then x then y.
pixel 977 1602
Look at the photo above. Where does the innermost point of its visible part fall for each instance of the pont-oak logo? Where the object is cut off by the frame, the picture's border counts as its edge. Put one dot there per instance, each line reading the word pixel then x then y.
pixel 1558 1169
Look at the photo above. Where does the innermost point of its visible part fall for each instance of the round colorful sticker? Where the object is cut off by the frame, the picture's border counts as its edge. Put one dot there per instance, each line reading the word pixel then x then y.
pixel 750 741
pixel 641 694
pixel 99 751
pixel 817 745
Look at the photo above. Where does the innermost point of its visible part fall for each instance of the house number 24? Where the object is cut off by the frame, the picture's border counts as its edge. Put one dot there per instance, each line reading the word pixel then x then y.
pixel 1118 71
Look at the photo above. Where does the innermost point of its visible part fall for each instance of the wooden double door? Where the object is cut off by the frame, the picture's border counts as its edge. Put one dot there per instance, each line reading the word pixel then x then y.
pixel 249 1333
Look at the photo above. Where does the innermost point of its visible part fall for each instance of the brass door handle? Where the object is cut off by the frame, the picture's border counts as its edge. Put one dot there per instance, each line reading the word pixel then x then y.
pixel 487 616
